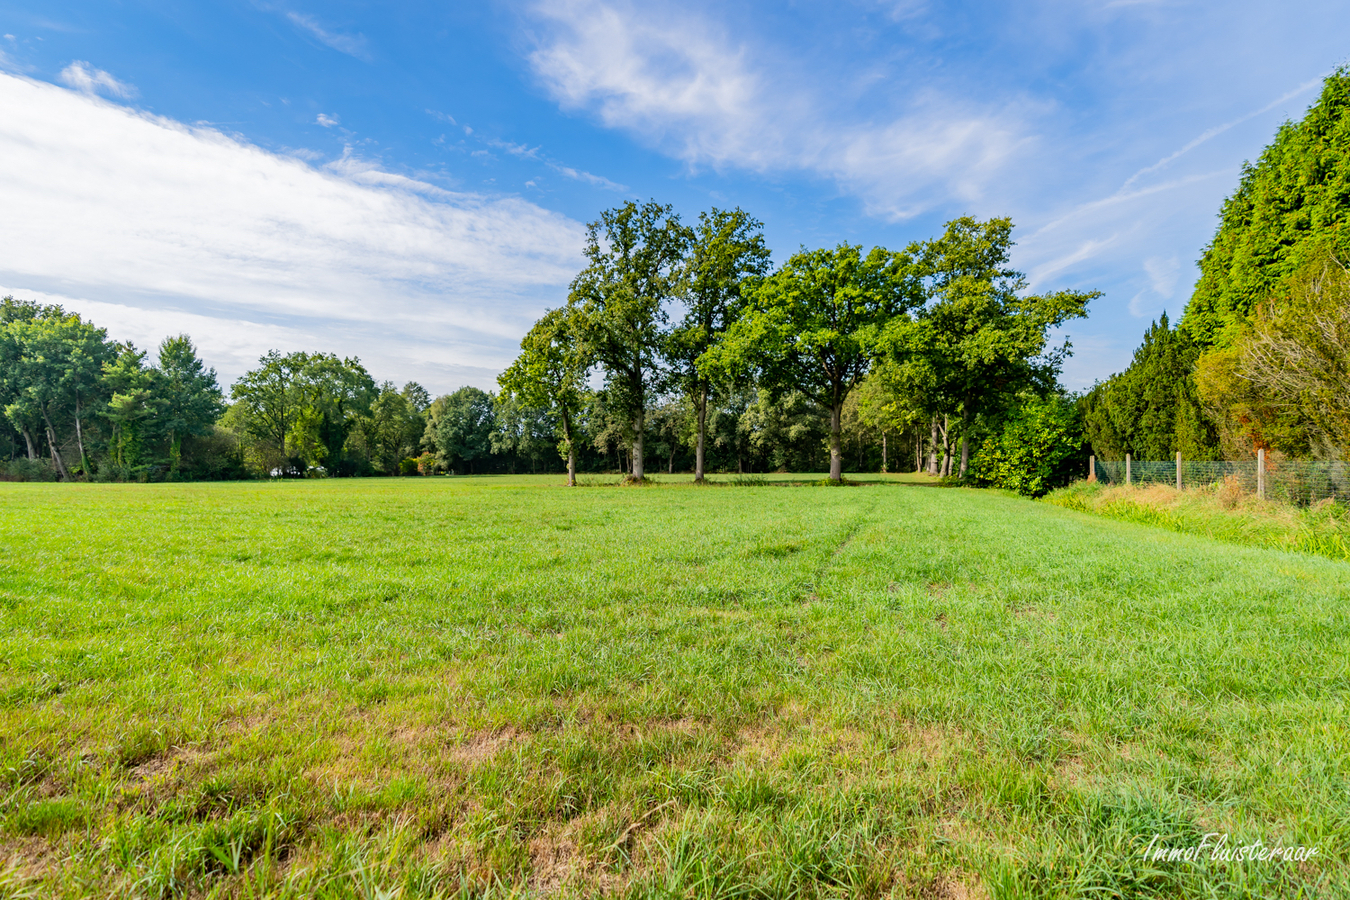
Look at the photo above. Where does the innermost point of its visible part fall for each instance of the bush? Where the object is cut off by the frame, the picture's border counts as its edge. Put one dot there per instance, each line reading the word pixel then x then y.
pixel 27 470
pixel 1041 447
pixel 408 467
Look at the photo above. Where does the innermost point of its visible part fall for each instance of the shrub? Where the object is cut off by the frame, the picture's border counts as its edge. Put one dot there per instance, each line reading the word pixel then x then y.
pixel 408 467
pixel 28 470
pixel 1040 447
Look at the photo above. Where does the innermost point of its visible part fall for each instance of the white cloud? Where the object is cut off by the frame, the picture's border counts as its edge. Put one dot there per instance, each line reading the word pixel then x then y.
pixel 680 84
pixel 85 78
pixel 352 45
pixel 327 121
pixel 116 207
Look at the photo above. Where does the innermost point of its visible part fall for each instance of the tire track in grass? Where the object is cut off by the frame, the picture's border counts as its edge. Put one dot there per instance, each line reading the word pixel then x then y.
pixel 861 516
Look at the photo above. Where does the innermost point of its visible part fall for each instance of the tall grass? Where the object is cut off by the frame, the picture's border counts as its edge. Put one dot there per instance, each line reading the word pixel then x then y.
pixel 1221 512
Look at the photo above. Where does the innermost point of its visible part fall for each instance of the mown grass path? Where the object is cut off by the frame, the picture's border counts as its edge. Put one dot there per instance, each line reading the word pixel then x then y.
pixel 500 686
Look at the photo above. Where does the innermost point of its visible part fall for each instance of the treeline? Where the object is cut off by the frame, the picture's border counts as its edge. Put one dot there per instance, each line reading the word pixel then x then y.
pixel 936 345
pixel 81 406
pixel 1261 356
pixel 680 347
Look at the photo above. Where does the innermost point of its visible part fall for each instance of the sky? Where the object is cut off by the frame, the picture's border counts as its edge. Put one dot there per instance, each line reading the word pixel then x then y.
pixel 409 182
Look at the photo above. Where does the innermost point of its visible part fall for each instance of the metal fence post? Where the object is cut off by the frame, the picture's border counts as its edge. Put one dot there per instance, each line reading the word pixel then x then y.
pixel 1261 474
pixel 1127 470
pixel 1178 470
pixel 1092 468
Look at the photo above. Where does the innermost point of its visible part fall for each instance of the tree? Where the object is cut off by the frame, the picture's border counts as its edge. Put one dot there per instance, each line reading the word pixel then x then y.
pixel 19 414
pixel 303 406
pixel 417 396
pixel 1152 409
pixel 459 426
pixel 267 403
pixel 132 402
pixel 1297 354
pixel 393 429
pixel 670 423
pixel 813 326
pixel 635 253
pixel 550 374
pixel 190 398
pixel 783 431
pixel 884 411
pixel 1289 210
pixel 727 256
pixel 522 432
pixel 978 338
pixel 53 376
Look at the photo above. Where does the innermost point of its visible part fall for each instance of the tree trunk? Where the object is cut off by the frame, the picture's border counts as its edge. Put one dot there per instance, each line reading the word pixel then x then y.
pixel 670 466
pixel 571 450
pixel 965 449
pixel 28 439
pixel 836 455
pixel 638 424
pixel 933 447
pixel 175 452
pixel 56 454
pixel 702 428
pixel 883 452
pixel 947 447
pixel 79 439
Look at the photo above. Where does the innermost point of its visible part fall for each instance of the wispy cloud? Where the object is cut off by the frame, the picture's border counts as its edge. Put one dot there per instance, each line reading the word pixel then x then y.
pixel 352 45
pixel 523 151
pixel 683 85
pixel 85 78
pixel 327 121
pixel 1220 129
pixel 163 220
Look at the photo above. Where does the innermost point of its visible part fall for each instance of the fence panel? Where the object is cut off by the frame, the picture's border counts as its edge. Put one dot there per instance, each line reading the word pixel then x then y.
pixel 1299 481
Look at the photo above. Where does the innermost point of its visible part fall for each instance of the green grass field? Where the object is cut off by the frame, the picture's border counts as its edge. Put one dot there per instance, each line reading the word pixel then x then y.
pixel 499 686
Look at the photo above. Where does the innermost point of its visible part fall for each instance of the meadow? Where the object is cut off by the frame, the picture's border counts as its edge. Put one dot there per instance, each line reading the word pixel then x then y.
pixel 497 686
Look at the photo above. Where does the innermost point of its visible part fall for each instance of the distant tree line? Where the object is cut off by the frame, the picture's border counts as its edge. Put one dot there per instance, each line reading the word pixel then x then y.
pixel 1260 358
pixel 680 347
pixel 78 405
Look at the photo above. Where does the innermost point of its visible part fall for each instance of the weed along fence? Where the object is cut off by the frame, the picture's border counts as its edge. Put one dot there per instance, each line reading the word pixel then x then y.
pixel 1298 481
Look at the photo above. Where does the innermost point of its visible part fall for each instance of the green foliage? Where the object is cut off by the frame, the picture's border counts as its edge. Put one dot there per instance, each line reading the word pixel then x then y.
pixel 548 377
pixel 634 256
pixel 1040 447
pixel 301 408
pixel 460 426
pixel 727 258
pixel 812 326
pixel 1291 208
pixel 1296 357
pixel 1153 408
pixel 978 340
pixel 393 430
pixel 190 399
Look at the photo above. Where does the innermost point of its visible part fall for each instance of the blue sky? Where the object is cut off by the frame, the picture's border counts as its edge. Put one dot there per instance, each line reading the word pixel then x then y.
pixel 408 182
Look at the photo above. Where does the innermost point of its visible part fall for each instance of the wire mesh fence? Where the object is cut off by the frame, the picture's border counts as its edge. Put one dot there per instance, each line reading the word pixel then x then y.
pixel 1299 481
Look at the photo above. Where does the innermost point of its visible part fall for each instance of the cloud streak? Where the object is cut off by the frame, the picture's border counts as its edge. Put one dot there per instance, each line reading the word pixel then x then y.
pixel 85 78
pixel 352 45
pixel 118 207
